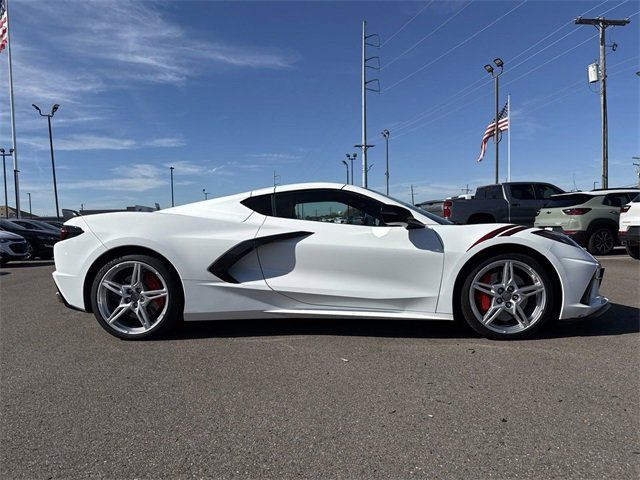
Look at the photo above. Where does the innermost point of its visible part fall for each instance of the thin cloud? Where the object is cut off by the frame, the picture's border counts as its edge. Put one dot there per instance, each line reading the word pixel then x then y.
pixel 81 142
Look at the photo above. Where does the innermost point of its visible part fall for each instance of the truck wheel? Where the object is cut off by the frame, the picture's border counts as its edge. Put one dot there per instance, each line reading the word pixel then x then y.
pixel 601 241
pixel 634 252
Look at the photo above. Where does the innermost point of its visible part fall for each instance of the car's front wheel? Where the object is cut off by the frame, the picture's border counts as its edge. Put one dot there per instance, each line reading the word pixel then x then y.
pixel 136 296
pixel 507 296
pixel 634 252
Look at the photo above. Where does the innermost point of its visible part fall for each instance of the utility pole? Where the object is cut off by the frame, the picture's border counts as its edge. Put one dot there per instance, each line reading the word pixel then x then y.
pixel 602 24
pixel 413 202
pixel 496 132
pixel 364 82
pixel 276 179
pixel 30 214
pixel 346 165
pixel 49 116
pixel 385 134
pixel 4 172
pixel 206 194
pixel 172 199
pixel 351 158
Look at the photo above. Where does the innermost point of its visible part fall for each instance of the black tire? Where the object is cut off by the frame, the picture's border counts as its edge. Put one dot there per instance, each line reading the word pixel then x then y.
pixel 634 252
pixel 543 315
pixel 601 241
pixel 171 312
pixel 3 262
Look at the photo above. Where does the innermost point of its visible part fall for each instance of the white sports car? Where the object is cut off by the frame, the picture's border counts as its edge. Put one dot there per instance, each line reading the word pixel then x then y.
pixel 318 250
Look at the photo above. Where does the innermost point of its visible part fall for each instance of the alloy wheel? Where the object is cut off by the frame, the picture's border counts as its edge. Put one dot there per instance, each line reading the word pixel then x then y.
pixel 603 241
pixel 132 297
pixel 508 296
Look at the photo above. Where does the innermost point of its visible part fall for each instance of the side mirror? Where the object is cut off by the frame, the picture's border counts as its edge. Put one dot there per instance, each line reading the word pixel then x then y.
pixel 394 216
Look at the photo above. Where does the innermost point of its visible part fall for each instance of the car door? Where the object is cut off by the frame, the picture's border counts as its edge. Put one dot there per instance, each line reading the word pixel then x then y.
pixel 358 264
pixel 523 203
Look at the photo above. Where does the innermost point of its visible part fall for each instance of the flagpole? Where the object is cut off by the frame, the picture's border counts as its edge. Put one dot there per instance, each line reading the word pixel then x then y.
pixel 509 139
pixel 13 115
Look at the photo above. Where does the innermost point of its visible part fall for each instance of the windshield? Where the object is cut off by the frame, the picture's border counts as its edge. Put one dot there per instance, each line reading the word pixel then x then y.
pixel 413 208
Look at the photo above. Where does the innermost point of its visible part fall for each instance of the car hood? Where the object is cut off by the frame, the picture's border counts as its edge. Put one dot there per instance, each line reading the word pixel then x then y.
pixel 10 235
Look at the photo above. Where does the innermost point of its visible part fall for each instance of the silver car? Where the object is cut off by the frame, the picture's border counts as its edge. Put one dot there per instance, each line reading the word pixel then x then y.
pixel 12 247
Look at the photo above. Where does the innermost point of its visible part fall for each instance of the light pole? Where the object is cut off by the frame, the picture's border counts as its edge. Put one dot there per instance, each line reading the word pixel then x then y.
pixel 4 172
pixel 496 76
pixel 172 200
pixel 206 194
pixel 385 134
pixel 346 165
pixel 594 184
pixel 30 214
pixel 54 108
pixel 351 158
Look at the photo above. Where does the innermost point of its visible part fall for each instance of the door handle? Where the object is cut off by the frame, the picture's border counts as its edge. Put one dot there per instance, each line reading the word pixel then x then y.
pixel 515 204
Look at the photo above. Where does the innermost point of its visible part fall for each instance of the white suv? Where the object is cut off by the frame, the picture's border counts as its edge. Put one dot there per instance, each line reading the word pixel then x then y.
pixel 629 231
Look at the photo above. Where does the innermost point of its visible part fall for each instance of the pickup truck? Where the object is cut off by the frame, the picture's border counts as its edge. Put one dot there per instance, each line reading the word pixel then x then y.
pixel 513 202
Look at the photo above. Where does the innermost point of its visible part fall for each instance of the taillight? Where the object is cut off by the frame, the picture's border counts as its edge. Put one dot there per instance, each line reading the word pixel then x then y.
pixel 625 208
pixel 69 231
pixel 576 211
pixel 446 208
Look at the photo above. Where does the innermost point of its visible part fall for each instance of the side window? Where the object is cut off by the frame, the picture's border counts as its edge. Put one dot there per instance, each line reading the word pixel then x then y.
pixel 260 204
pixel 544 192
pixel 481 193
pixel 494 193
pixel 615 199
pixel 329 206
pixel 522 191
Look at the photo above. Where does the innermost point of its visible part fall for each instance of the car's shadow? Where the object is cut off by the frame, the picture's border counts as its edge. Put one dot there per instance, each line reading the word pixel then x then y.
pixel 28 263
pixel 620 319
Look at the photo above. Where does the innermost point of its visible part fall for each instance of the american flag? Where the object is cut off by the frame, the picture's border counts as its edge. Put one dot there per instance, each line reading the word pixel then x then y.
pixel 503 124
pixel 3 25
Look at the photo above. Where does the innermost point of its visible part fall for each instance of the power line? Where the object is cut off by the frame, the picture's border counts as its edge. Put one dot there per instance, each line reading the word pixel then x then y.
pixel 456 47
pixel 412 47
pixel 483 79
pixel 407 23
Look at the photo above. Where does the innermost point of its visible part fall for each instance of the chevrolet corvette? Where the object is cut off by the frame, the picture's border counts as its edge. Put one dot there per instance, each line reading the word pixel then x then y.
pixel 318 250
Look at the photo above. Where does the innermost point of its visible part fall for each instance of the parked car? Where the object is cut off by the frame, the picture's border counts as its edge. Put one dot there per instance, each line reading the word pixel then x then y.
pixel 31 224
pixel 629 230
pixel 12 247
pixel 590 218
pixel 54 223
pixel 252 255
pixel 39 242
pixel 513 202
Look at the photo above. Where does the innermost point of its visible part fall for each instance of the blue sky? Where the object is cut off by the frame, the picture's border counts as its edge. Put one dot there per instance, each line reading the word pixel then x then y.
pixel 228 92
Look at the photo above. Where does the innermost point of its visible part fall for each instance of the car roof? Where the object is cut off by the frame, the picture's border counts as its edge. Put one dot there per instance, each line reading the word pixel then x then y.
pixel 596 193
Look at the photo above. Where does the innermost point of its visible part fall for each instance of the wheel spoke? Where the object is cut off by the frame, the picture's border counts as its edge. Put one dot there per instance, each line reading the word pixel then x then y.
pixel 119 311
pixel 484 288
pixel 141 313
pixel 136 275
pixel 531 290
pixel 113 287
pixel 507 273
pixel 520 316
pixel 155 294
pixel 491 314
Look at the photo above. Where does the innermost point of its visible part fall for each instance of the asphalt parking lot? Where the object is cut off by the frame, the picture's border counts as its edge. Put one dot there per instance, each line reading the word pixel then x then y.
pixel 316 399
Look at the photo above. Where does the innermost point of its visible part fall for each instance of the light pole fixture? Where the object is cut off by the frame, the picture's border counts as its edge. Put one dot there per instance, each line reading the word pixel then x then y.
pixel 385 134
pixel 495 74
pixel 346 165
pixel 206 194
pixel 351 158
pixel 30 214
pixel 172 199
pixel 49 116
pixel 4 173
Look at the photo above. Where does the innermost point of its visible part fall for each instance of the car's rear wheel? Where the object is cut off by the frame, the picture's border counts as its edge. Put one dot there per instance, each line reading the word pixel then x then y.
pixel 601 241
pixel 136 296
pixel 31 251
pixel 634 252
pixel 507 296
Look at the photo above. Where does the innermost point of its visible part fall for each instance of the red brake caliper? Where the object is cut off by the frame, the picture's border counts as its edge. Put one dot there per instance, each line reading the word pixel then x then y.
pixel 153 283
pixel 484 300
